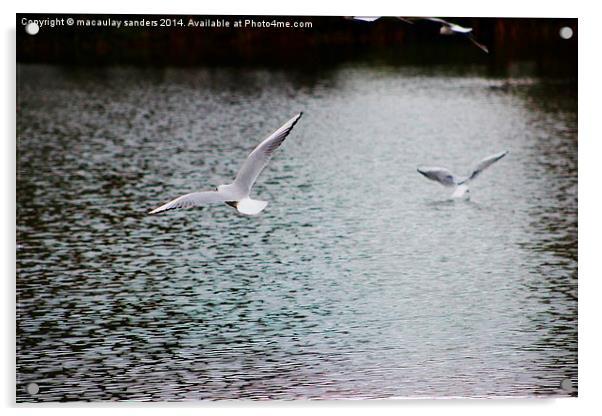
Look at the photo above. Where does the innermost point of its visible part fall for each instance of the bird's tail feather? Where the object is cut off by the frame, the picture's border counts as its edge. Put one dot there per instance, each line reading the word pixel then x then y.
pixel 461 191
pixel 250 206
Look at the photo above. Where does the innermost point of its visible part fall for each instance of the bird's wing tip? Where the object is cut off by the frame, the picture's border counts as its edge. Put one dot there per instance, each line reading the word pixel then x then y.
pixel 295 119
pixel 156 210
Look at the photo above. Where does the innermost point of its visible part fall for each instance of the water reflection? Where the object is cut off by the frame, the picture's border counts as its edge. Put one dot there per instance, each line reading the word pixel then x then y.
pixel 361 279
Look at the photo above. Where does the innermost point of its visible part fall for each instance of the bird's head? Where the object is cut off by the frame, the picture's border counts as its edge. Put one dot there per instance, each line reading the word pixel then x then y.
pixel 446 30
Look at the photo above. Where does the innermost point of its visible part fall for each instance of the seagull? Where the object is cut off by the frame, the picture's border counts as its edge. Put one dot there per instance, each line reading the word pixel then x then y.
pixel 449 28
pixel 446 178
pixel 446 28
pixel 375 18
pixel 236 194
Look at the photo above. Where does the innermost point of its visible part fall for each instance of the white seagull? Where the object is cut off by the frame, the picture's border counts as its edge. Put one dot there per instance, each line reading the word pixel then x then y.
pixel 449 28
pixel 446 28
pixel 446 178
pixel 237 193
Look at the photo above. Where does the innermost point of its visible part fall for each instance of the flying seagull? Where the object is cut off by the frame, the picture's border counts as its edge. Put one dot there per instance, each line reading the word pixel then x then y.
pixel 375 18
pixel 446 178
pixel 446 28
pixel 237 193
pixel 449 28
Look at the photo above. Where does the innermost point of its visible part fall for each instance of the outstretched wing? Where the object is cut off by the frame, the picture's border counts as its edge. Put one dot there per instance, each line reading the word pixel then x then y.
pixel 259 158
pixel 374 18
pixel 454 27
pixel 477 44
pixel 460 29
pixel 405 19
pixel 441 175
pixel 367 18
pixel 434 19
pixel 484 164
pixel 191 200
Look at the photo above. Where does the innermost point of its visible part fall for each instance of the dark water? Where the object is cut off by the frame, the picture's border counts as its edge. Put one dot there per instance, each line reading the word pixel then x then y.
pixel 361 279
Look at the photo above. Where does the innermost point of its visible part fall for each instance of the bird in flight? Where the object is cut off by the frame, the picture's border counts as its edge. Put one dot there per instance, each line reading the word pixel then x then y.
pixel 446 28
pixel 374 18
pixel 450 29
pixel 446 178
pixel 236 194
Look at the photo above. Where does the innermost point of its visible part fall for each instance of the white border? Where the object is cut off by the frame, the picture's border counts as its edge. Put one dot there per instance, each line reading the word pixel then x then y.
pixel 590 139
pixel 506 8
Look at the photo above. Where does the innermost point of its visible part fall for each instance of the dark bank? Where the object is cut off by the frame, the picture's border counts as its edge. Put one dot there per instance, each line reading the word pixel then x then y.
pixel 296 42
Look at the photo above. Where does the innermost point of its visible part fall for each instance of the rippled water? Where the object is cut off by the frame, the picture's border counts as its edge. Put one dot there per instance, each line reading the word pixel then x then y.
pixel 361 279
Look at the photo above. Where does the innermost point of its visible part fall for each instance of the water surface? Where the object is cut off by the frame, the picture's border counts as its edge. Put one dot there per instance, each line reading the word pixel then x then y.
pixel 360 279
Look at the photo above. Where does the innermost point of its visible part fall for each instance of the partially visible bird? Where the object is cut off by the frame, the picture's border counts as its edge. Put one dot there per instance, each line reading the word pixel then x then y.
pixel 237 193
pixel 374 18
pixel 366 18
pixel 460 184
pixel 450 29
pixel 446 28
